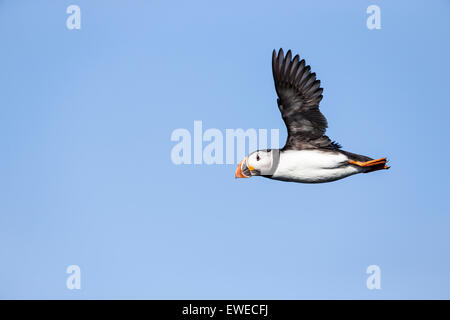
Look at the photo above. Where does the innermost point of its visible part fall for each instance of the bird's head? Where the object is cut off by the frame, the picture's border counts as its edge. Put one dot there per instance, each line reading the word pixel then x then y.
pixel 256 164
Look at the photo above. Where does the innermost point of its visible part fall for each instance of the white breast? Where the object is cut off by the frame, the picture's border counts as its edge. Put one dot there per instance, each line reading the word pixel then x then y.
pixel 313 166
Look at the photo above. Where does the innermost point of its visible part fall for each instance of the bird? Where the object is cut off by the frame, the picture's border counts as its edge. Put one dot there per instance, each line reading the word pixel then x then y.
pixel 308 156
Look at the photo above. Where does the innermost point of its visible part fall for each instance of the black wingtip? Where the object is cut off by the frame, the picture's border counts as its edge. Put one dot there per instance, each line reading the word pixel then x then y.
pixel 280 53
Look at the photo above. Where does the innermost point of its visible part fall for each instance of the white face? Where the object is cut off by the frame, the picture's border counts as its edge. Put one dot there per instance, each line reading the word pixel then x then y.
pixel 261 161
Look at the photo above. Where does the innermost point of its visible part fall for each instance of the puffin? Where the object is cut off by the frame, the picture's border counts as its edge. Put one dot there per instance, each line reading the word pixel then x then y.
pixel 309 156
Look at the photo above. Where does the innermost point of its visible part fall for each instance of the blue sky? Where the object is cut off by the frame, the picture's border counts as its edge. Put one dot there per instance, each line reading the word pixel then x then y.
pixel 86 176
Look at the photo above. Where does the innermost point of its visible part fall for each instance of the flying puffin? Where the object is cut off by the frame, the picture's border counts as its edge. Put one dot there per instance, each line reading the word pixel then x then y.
pixel 308 156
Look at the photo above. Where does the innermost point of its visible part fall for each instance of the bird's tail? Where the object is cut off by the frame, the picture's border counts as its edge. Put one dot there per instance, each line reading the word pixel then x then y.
pixel 372 165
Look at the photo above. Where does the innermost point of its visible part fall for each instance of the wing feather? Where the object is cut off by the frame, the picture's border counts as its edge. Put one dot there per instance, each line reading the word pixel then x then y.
pixel 299 94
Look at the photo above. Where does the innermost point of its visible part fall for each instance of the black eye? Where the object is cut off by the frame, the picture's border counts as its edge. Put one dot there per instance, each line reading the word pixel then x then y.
pixel 257 157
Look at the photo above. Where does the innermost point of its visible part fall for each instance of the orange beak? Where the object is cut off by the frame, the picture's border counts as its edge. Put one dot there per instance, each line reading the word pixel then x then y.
pixel 239 170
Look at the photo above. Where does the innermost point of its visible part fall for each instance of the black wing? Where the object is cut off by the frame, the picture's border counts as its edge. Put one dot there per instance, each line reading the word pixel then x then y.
pixel 299 94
